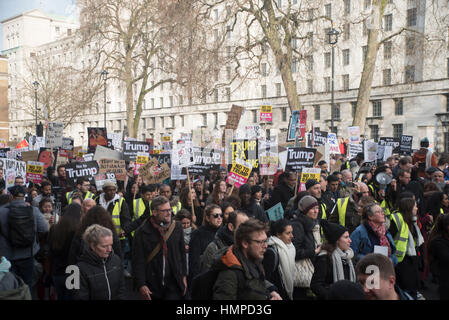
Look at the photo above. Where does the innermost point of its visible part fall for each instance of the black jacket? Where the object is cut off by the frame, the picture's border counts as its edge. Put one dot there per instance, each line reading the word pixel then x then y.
pixel 100 279
pixel 270 264
pixel 282 193
pixel 125 216
pixel 303 239
pixel 78 245
pixel 199 241
pixel 145 240
pixel 439 250
pixel 253 210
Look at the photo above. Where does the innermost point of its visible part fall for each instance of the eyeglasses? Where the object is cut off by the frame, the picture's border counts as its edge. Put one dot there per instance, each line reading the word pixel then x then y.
pixel 260 242
pixel 165 211
pixel 217 215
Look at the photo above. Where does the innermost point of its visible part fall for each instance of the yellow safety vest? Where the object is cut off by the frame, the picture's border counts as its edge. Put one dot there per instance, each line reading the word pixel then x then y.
pixel 89 195
pixel 373 191
pixel 441 211
pixel 176 208
pixel 139 209
pixel 323 216
pixel 384 206
pixel 342 205
pixel 401 238
pixel 116 216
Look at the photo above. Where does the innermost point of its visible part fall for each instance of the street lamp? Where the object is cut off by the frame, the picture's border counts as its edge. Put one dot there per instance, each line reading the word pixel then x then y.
pixel 36 86
pixel 104 73
pixel 332 40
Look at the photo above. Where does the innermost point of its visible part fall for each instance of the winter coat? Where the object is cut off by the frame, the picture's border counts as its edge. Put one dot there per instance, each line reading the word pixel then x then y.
pixel 227 286
pixel 253 210
pixel 352 217
pixel 151 274
pixel 223 238
pixel 363 241
pixel 13 288
pixel 199 241
pixel 303 239
pixel 100 279
pixel 272 272
pixel 281 193
pixel 439 250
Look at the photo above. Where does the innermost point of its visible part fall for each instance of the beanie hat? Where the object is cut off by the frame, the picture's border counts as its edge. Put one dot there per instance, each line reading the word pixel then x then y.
pixel 109 184
pixel 245 188
pixel 17 191
pixel 332 231
pixel 310 183
pixel 345 290
pixel 307 203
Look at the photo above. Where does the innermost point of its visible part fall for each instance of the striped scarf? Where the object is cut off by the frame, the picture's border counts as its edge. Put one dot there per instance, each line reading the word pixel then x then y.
pixel 381 233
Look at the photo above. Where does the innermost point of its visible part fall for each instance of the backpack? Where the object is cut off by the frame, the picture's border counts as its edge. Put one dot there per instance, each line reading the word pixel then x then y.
pixel 276 257
pixel 21 227
pixel 203 284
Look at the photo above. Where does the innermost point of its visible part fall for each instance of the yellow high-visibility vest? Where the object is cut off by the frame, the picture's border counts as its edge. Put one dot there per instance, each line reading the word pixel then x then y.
pixel 89 195
pixel 116 217
pixel 342 205
pixel 401 238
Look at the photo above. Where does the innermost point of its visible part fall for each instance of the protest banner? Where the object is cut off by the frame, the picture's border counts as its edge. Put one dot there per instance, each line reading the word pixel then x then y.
pixel 334 147
pixel 276 212
pixel 30 155
pixel 35 143
pixel 35 171
pixel 10 176
pixel 354 149
pixel 405 146
pixel 390 141
pixel 77 170
pixel 309 174
pixel 106 153
pixel 354 135
pixel 239 173
pixel 246 150
pixel 183 156
pixel 117 167
pixel 67 143
pixel 130 149
pixel 293 124
pixel 141 159
pixel 252 132
pixel 19 167
pixel 102 178
pixel 88 157
pixel 370 151
pixel 205 161
pixel 153 172
pixel 299 158
pixel 116 140
pixel 47 156
pixel 53 138
pixel 319 138
pixel 266 114
pixel 4 152
pixel 232 121
pixel 96 137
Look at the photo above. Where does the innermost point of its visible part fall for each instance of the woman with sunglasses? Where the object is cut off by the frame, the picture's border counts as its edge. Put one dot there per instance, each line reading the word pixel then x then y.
pixel 200 239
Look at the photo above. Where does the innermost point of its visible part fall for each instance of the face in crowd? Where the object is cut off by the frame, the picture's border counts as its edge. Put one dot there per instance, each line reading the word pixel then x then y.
pixel 165 191
pixel 256 246
pixel 215 218
pixel 315 191
pixel 163 213
pixel 103 248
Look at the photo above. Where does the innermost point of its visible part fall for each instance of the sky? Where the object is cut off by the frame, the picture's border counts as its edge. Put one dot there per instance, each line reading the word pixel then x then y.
pixel 10 8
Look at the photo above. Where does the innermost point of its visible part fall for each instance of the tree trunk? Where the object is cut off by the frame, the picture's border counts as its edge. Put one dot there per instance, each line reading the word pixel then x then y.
pixel 129 100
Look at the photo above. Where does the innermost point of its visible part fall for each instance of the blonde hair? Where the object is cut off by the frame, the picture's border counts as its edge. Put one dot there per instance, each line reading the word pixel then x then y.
pixel 94 233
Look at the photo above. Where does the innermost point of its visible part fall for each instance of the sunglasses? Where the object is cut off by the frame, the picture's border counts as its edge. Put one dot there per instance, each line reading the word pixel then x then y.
pixel 217 215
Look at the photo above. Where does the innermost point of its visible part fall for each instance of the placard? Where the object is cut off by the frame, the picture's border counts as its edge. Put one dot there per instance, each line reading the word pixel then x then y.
pixel 246 150
pixel 183 156
pixel 239 173
pixel 252 132
pixel 299 158
pixel 370 151
pixel 293 126
pixel 47 157
pixel 334 147
pixel 130 149
pixel 4 152
pixel 30 156
pixel 106 153
pixel 354 149
pixel 53 138
pixel 117 167
pixel 205 161
pixel 67 143
pixel 19 167
pixel 102 178
pixel 233 120
pixel 116 140
pixel 390 141
pixel 153 172
pixel 266 114
pixel 97 137
pixel 320 138
pixel 77 170
pixel 35 171
pixel 405 146
pixel 354 135
pixel 276 212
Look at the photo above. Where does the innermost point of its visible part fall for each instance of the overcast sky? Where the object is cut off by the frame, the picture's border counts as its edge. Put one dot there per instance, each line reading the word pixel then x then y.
pixel 10 8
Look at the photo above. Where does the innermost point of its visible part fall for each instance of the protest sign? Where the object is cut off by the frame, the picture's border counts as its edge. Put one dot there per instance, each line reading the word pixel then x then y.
pixel 334 147
pixel 47 157
pixel 319 138
pixel 67 143
pixel 167 143
pixel 239 173
pixel 77 170
pixel 61 158
pixel 370 151
pixel 176 173
pixel 102 178
pixel 117 167
pixel 106 153
pixel 88 157
pixel 233 120
pixel 4 152
pixel 276 212
pixel 97 137
pixel 205 161
pixel 268 162
pixel 19 167
pixel 309 174
pixel 130 149
pixel 405 146
pixel 54 135
pixel 153 172
pixel 252 132
pixel 141 159
pixel 387 152
pixel 183 156
pixel 10 176
pixel 354 149
pixel 22 144
pixel 3 143
pixel 390 141
pixel 299 158
pixel 35 170
pixel 266 114
pixel 354 135
pixel 116 140
pixel 292 126
pixel 35 143
pixel 30 156
pixel 246 150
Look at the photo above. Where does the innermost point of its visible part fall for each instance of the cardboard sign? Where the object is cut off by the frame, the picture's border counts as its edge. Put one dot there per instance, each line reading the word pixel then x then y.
pixel 266 114
pixel 299 158
pixel 141 159
pixel 354 149
pixel 106 153
pixel 239 173
pixel 269 162
pixel 334 147
pixel 246 150
pixel 88 157
pixel 153 172
pixel 131 148
pixel 54 135
pixel 19 167
pixel 183 156
pixel 252 132
pixel 62 158
pixel 233 120
pixel 97 137
pixel 30 156
pixel 405 146
pixel 35 171
pixel 370 151
pixel 102 178
pixel 77 170
pixel 117 167
pixel 354 134
pixel 10 176
pixel 35 143
pixel 390 141
pixel 276 212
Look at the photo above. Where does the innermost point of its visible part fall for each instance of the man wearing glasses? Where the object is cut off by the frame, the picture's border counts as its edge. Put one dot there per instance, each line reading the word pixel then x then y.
pixel 242 275
pixel 159 258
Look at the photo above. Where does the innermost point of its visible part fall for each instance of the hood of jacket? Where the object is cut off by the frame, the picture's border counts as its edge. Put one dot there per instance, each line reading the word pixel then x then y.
pixel 225 235
pixel 17 291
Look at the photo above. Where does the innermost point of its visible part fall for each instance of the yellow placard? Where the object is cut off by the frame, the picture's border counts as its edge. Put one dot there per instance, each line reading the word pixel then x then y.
pixel 141 159
pixel 266 109
pixel 309 176
pixel 241 170
pixel 35 169
pixel 166 138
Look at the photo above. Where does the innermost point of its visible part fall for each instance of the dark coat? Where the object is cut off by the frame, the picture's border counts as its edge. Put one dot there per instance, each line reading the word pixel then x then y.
pixel 100 279
pixel 282 193
pixel 223 238
pixel 303 239
pixel 439 250
pixel 145 240
pixel 253 210
pixel 199 241
pixel 272 272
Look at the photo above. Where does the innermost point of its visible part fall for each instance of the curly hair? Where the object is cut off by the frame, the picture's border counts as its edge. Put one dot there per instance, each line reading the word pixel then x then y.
pixel 96 215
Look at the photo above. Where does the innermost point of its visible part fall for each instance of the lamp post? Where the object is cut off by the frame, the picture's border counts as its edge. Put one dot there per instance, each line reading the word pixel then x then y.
pixel 104 73
pixel 332 39
pixel 36 86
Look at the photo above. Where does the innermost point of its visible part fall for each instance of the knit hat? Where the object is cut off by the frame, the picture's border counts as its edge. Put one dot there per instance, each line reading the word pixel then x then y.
pixel 332 231
pixel 245 188
pixel 307 203
pixel 310 183
pixel 109 184
pixel 345 290
pixel 17 191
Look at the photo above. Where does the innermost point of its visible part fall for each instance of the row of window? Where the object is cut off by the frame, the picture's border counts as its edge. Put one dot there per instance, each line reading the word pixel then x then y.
pixel 374 131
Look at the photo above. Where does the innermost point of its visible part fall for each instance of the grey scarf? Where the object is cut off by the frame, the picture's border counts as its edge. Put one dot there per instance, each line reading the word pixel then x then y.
pixel 337 264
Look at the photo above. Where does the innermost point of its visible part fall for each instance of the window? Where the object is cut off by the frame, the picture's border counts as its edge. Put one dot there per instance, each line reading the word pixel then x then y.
pixel 387 77
pixel 328 10
pixel 162 102
pixel 327 84
pixel 182 121
pixel 410 45
pixel 309 63
pixel 345 57
pixel 377 108
pixel 346 31
pixel 397 130
pixel 345 79
pixel 294 44
pixel 398 107
pixel 228 32
pixel 264 70
pixel 228 94
pixel 364 49
pixel 171 101
pixel 327 60
pixel 278 89
pixel 152 123
pixel 347 4
pixel 204 119
pixel 180 100
pixel 294 67
pixel 447 102
pixel 152 103
pixel 411 17
pixel 228 73
pixel 310 13
pixel 284 114
pixel 215 95
pixel 309 86
pixel 336 111
pixel 353 108
pixel 279 3
pixel 316 111
pixel 446 142
pixel 374 132
pixel 387 50
pixel 254 116
pixel 310 38
pixel 216 14
pixel 326 37
pixel 388 22
pixel 367 3
pixel 365 28
pixel 409 74
pixel 264 91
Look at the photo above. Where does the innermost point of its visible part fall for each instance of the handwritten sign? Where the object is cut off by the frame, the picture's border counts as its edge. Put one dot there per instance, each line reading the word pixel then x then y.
pixel 117 167
pixel 354 134
pixel 233 120
pixel 153 172
pixel 276 212
pixel 54 135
